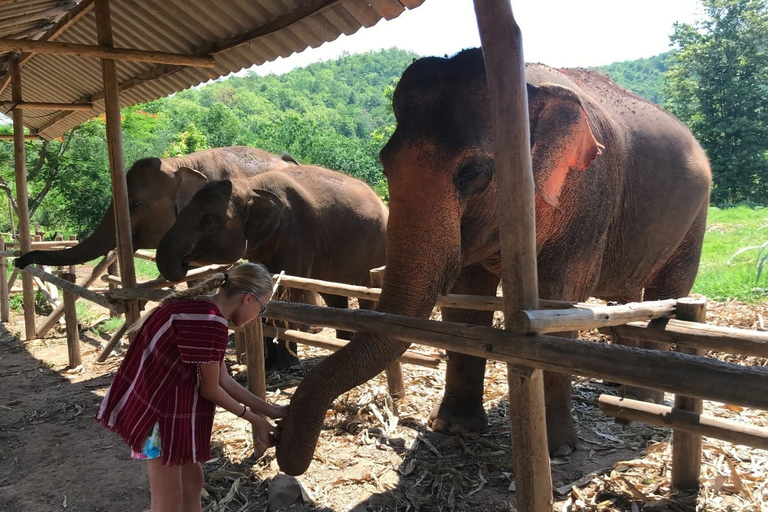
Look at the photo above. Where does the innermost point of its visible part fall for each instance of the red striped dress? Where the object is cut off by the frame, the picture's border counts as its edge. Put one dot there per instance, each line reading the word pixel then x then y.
pixel 159 381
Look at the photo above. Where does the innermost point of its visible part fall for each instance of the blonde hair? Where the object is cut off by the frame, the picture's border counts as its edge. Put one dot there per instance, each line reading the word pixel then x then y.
pixel 243 277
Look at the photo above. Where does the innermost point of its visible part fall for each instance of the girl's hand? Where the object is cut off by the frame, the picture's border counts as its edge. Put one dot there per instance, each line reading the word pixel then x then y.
pixel 278 411
pixel 264 430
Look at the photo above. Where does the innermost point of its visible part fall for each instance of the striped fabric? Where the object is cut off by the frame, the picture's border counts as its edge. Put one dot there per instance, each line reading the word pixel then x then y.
pixel 159 379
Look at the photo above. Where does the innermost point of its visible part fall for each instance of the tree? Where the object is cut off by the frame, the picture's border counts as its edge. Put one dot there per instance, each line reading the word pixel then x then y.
pixel 716 84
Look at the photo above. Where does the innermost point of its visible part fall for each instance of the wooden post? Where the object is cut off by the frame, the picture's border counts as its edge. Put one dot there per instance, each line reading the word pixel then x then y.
pixel 395 381
pixel 116 164
pixel 13 221
pixel 112 343
pixel 254 356
pixel 113 270
pixel 70 317
pixel 505 68
pixel 21 197
pixel 240 348
pixel 5 296
pixel 686 447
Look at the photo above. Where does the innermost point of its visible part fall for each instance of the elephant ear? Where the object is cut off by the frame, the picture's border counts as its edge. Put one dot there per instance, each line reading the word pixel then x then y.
pixel 265 211
pixel 561 138
pixel 190 182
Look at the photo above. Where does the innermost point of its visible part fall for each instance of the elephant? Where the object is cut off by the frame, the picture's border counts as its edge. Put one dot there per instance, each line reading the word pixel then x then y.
pixel 306 220
pixel 622 191
pixel 157 189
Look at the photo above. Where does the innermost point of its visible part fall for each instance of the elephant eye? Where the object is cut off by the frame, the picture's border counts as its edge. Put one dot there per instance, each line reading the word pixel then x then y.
pixel 134 204
pixel 473 177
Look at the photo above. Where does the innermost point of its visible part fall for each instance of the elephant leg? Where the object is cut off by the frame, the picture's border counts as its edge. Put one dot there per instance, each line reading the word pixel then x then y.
pixel 672 281
pixel 340 302
pixel 283 355
pixel 561 431
pixel 461 409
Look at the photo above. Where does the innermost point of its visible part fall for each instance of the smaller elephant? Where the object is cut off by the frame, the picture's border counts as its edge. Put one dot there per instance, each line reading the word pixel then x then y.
pixel 308 221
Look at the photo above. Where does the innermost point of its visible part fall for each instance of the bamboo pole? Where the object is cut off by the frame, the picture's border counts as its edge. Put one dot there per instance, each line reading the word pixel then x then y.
pixel 394 371
pixel 105 51
pixel 39 105
pixel 695 335
pixel 95 273
pixel 334 344
pixel 672 372
pixel 580 319
pixel 116 164
pixel 507 91
pixel 79 290
pixel 5 296
pixel 70 317
pixel 112 343
pixel 686 447
pixel 684 421
pixel 22 197
pixel 257 383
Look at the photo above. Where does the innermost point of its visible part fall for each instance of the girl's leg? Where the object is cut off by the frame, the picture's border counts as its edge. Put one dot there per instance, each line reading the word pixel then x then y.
pixel 192 487
pixel 165 484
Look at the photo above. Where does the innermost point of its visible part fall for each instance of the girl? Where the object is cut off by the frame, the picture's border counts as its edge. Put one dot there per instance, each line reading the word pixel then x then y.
pixel 164 395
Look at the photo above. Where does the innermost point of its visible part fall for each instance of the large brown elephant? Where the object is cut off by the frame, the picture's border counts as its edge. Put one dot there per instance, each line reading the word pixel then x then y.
pixel 157 189
pixel 611 220
pixel 305 220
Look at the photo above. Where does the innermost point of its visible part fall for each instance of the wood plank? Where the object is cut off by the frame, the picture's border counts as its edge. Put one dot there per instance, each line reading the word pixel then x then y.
pixel 104 52
pixel 685 421
pixel 39 105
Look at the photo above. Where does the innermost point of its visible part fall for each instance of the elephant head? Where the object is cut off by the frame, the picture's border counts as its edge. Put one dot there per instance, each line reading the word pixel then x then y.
pixel 217 226
pixel 440 171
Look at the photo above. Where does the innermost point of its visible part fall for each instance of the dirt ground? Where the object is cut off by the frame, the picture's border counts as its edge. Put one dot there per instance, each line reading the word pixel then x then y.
pixel 374 454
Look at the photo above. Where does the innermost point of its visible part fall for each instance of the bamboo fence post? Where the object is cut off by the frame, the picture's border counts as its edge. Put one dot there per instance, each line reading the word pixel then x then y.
pixel 70 317
pixel 684 421
pixel 5 294
pixel 395 381
pixel 22 197
pixel 257 383
pixel 505 68
pixel 686 447
pixel 56 314
pixel 116 164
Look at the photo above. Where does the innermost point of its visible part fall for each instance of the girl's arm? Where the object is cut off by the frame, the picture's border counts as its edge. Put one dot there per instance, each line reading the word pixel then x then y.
pixel 242 395
pixel 212 390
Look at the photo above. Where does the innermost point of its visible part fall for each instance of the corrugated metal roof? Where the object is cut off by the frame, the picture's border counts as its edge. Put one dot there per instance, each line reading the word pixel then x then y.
pixel 237 33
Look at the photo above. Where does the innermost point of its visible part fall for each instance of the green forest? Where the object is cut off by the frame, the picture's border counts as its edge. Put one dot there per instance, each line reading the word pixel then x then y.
pixel 337 114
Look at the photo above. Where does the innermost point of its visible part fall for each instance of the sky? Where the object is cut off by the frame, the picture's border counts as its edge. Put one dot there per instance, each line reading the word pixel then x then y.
pixel 560 33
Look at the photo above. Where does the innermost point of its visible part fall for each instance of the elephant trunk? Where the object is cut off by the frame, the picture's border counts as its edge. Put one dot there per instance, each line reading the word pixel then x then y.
pixel 420 265
pixel 171 256
pixel 99 243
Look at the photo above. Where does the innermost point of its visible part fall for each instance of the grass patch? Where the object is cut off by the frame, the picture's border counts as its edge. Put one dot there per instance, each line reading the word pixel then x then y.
pixel 729 230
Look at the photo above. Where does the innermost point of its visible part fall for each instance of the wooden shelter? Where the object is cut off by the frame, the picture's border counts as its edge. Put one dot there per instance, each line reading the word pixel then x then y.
pixel 70 61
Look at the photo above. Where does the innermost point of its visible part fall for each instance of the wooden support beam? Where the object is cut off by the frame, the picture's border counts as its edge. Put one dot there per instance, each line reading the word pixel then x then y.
pixel 507 91
pixel 104 51
pixel 695 335
pixel 70 317
pixel 257 383
pixel 671 372
pixel 38 105
pixel 116 164
pixel 580 319
pixel 26 137
pixel 22 196
pixel 686 447
pixel 112 343
pixel 5 310
pixel 684 421
pixel 334 344
pixel 85 293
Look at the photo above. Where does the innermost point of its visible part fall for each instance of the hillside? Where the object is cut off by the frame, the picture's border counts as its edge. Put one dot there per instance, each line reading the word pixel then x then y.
pixel 643 76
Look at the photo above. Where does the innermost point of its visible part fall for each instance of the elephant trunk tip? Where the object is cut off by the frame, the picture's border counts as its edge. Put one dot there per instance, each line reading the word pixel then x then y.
pixel 291 464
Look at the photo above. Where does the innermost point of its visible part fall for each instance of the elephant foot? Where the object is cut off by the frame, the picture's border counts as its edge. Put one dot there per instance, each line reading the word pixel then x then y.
pixel 458 416
pixel 643 394
pixel 278 357
pixel 561 436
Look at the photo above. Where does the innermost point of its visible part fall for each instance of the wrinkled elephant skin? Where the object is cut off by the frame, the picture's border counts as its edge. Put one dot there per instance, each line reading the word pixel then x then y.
pixel 622 193
pixel 304 220
pixel 157 189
